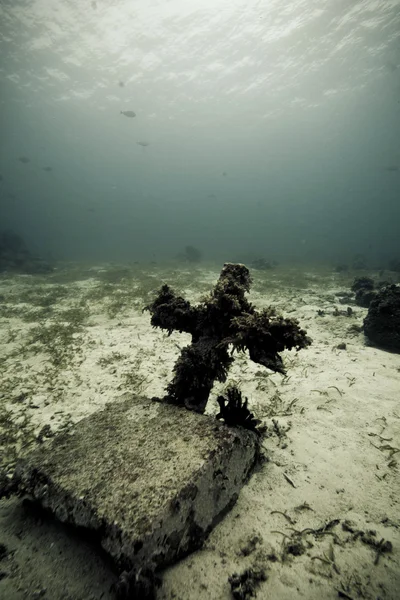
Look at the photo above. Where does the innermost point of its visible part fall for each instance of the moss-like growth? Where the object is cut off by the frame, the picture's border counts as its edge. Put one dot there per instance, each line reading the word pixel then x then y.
pixel 244 585
pixel 59 338
pixel 234 411
pixel 224 318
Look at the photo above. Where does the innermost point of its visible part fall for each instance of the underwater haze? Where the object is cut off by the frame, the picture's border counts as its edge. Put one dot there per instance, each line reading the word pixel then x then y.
pixel 132 129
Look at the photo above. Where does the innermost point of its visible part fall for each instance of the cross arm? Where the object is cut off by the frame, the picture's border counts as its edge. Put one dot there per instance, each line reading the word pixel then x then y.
pixel 266 334
pixel 171 312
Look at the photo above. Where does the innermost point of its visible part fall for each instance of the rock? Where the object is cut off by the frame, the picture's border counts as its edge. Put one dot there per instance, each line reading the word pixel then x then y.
pixel 149 479
pixel 382 323
pixel 364 289
pixel 362 283
pixel 365 297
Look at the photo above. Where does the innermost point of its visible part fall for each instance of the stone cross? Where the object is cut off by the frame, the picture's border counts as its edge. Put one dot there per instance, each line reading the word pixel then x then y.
pixel 225 321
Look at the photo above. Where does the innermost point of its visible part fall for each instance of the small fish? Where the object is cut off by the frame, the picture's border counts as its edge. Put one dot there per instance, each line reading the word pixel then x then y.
pixel 128 113
pixel 24 159
pixel 121 84
pixel 143 144
pixel 224 173
pixel 48 169
pixel 392 168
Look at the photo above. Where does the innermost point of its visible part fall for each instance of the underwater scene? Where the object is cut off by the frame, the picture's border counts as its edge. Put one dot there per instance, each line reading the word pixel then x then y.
pixel 199 299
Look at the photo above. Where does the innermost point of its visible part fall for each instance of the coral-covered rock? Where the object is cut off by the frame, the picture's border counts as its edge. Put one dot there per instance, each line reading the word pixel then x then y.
pixel 382 323
pixel 365 297
pixel 364 290
pixel 362 283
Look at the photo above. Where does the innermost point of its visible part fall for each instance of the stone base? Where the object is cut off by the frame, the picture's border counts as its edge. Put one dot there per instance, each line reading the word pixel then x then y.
pixel 150 479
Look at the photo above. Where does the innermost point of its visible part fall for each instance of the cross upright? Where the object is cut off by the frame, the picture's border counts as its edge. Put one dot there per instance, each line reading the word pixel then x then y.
pixel 225 318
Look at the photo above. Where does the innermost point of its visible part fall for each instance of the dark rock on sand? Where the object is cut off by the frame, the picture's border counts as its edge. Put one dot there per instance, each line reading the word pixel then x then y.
pixel 382 323
pixel 364 289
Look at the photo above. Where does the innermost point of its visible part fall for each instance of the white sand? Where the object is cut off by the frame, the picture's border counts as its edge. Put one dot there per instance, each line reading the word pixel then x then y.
pixel 333 448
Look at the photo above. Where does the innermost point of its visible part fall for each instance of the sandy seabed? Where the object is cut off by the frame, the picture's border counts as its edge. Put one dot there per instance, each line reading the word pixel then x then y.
pixel 321 513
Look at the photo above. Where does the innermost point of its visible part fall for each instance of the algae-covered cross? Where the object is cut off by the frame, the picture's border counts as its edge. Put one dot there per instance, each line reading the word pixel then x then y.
pixel 225 318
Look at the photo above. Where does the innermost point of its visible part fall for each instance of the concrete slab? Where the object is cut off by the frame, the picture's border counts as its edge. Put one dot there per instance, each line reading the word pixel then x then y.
pixel 148 478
